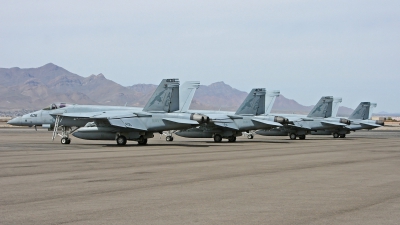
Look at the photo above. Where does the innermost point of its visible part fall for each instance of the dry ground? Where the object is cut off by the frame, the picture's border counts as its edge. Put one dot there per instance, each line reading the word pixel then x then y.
pixel 267 180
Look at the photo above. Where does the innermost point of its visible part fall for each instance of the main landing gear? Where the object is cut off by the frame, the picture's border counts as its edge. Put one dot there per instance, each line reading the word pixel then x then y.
pixel 121 140
pixel 232 139
pixel 293 136
pixel 218 138
pixel 337 135
pixel 142 141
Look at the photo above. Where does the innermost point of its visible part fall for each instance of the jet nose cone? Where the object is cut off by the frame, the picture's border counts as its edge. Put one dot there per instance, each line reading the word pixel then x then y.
pixel 15 122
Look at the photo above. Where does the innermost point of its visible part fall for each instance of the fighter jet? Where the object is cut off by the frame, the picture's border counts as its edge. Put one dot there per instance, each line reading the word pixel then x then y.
pixel 360 119
pixel 229 125
pixel 93 131
pixel 125 124
pixel 320 118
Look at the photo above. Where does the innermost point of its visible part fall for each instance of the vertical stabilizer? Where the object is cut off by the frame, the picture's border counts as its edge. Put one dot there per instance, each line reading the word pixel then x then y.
pixel 361 112
pixel 371 109
pixel 186 93
pixel 165 97
pixel 254 103
pixel 270 98
pixel 335 106
pixel 323 108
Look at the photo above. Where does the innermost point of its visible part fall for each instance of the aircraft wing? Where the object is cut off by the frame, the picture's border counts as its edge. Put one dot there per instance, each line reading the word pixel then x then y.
pixel 230 125
pixel 181 121
pixel 330 123
pixel 270 123
pixel 299 127
pixel 133 123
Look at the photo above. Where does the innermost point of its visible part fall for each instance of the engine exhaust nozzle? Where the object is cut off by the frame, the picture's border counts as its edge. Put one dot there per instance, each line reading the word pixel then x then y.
pixel 345 121
pixel 280 119
pixel 200 118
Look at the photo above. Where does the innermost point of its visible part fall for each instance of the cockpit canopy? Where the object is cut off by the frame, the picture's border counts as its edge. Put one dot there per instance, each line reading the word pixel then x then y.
pixel 56 106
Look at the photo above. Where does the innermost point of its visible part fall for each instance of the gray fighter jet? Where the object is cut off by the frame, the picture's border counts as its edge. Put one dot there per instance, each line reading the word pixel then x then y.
pixel 92 131
pixel 360 119
pixel 320 118
pixel 229 125
pixel 123 122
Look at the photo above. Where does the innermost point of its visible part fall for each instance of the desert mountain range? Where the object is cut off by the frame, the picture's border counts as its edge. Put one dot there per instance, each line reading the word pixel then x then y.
pixel 35 88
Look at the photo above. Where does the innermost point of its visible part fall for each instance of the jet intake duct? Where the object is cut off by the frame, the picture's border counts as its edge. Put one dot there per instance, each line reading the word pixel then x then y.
pixel 200 118
pixel 345 121
pixel 380 122
pixel 280 119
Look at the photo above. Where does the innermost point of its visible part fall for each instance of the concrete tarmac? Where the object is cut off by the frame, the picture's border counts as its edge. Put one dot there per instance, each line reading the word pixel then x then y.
pixel 267 180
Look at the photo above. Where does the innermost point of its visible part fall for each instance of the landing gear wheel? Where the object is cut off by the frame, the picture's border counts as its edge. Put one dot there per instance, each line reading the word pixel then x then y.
pixel 250 136
pixel 302 137
pixel 335 135
pixel 293 136
pixel 232 139
pixel 342 136
pixel 121 140
pixel 169 138
pixel 65 141
pixel 142 141
pixel 217 138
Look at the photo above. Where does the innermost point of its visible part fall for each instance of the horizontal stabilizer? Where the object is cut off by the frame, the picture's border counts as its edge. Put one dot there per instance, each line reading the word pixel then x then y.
pixel 370 125
pixel 333 123
pixel 267 122
pixel 227 125
pixel 132 123
pixel 181 121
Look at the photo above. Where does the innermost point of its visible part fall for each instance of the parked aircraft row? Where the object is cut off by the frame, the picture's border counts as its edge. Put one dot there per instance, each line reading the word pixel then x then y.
pixel 167 112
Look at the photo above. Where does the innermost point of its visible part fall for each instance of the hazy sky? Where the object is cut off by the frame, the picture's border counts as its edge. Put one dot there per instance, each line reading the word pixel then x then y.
pixel 305 49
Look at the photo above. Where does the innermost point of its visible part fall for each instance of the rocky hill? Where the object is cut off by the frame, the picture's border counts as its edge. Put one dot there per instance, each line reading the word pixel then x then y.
pixel 35 88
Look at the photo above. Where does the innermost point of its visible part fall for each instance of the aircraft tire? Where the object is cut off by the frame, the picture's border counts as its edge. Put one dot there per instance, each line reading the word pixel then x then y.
pixel 232 139
pixel 217 138
pixel 342 136
pixel 121 140
pixel 250 136
pixel 64 141
pixel 68 141
pixel 302 137
pixel 335 135
pixel 143 141
pixel 169 138
pixel 293 136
